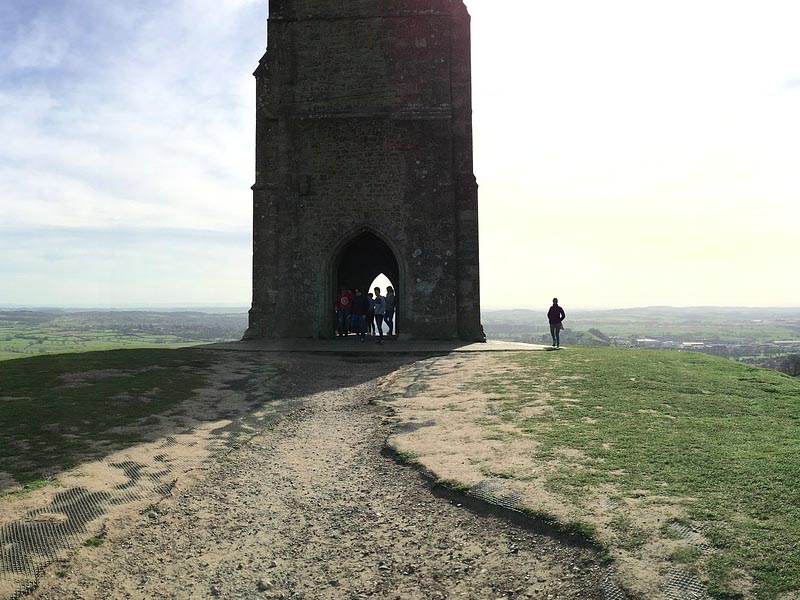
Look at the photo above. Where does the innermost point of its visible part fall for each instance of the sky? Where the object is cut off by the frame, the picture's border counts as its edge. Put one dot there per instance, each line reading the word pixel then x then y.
pixel 628 153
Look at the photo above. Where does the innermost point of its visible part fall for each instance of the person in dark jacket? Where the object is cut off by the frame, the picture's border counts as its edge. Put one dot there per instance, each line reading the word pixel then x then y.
pixel 388 316
pixel 358 315
pixel 370 314
pixel 556 315
pixel 380 310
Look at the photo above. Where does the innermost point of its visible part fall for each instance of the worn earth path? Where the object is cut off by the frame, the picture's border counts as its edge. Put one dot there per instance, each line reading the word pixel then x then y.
pixel 310 508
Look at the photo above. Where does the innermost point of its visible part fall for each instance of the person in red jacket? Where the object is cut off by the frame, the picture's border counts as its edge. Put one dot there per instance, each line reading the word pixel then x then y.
pixel 344 305
pixel 556 315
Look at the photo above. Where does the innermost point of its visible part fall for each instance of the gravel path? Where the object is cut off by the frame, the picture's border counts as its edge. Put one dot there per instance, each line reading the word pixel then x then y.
pixel 311 509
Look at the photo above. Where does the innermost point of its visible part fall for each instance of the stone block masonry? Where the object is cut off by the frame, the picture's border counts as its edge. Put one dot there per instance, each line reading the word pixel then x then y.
pixel 364 166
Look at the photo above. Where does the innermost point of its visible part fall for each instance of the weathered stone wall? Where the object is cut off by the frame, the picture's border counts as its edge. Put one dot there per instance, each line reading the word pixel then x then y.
pixel 364 124
pixel 305 9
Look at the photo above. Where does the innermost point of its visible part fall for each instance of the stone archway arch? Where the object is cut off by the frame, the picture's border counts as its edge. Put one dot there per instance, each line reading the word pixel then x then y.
pixel 356 260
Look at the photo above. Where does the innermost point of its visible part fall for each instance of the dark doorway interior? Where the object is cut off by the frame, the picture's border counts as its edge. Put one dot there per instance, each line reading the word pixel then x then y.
pixel 362 260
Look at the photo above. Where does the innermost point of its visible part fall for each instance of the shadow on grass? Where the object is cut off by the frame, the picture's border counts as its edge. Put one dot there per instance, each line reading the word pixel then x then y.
pixel 58 411
pixel 571 533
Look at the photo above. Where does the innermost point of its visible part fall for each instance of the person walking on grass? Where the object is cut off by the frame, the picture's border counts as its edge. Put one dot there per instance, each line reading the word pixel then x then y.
pixel 556 315
pixel 380 310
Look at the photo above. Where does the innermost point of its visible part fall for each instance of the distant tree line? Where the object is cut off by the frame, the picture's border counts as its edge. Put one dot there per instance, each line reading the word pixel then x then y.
pixel 785 364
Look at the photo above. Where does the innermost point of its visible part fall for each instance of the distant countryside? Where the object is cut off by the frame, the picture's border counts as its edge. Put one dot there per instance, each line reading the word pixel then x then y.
pixel 766 337
pixel 33 332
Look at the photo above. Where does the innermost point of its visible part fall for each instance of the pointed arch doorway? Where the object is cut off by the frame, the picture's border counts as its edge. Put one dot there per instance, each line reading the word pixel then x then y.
pixel 358 263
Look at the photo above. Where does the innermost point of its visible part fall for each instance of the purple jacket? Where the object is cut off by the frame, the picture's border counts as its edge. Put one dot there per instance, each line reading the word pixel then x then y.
pixel 555 314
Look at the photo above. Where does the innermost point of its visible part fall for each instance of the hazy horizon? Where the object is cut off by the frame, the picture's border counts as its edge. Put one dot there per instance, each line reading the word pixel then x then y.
pixel 172 307
pixel 617 167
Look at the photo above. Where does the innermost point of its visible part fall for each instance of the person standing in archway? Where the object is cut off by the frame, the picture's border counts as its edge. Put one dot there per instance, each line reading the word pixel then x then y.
pixel 389 315
pixel 343 306
pixel 370 314
pixel 380 311
pixel 556 315
pixel 359 314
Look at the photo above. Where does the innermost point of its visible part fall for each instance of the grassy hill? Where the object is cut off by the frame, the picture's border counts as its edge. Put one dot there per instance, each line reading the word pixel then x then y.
pixel 708 445
pixel 670 460
pixel 720 438
pixel 60 410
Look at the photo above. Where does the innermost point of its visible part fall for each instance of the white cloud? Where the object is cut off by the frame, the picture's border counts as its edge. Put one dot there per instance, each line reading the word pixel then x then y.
pixel 160 119
pixel 120 118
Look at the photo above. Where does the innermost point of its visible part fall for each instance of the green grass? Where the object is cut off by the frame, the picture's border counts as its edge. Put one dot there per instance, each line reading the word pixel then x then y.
pixel 407 458
pixel 683 426
pixel 29 486
pixel 94 542
pixel 630 536
pixel 54 341
pixel 24 334
pixel 59 410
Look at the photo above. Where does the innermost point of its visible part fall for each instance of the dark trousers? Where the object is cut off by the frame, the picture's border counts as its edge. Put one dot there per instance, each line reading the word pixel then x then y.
pixel 342 318
pixel 379 324
pixel 357 324
pixel 555 328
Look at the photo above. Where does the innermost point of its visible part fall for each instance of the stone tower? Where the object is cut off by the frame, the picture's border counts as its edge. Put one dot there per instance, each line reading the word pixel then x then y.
pixel 364 166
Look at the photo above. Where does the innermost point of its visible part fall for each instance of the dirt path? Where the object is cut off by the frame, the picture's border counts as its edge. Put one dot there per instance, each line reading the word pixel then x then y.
pixel 311 509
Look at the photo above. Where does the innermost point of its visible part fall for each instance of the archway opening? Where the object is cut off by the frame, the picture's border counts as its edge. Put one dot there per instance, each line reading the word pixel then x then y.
pixel 362 262
pixel 384 283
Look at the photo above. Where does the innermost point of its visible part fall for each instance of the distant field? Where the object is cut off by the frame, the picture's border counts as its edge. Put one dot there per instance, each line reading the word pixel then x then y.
pixel 745 334
pixel 709 325
pixel 33 333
